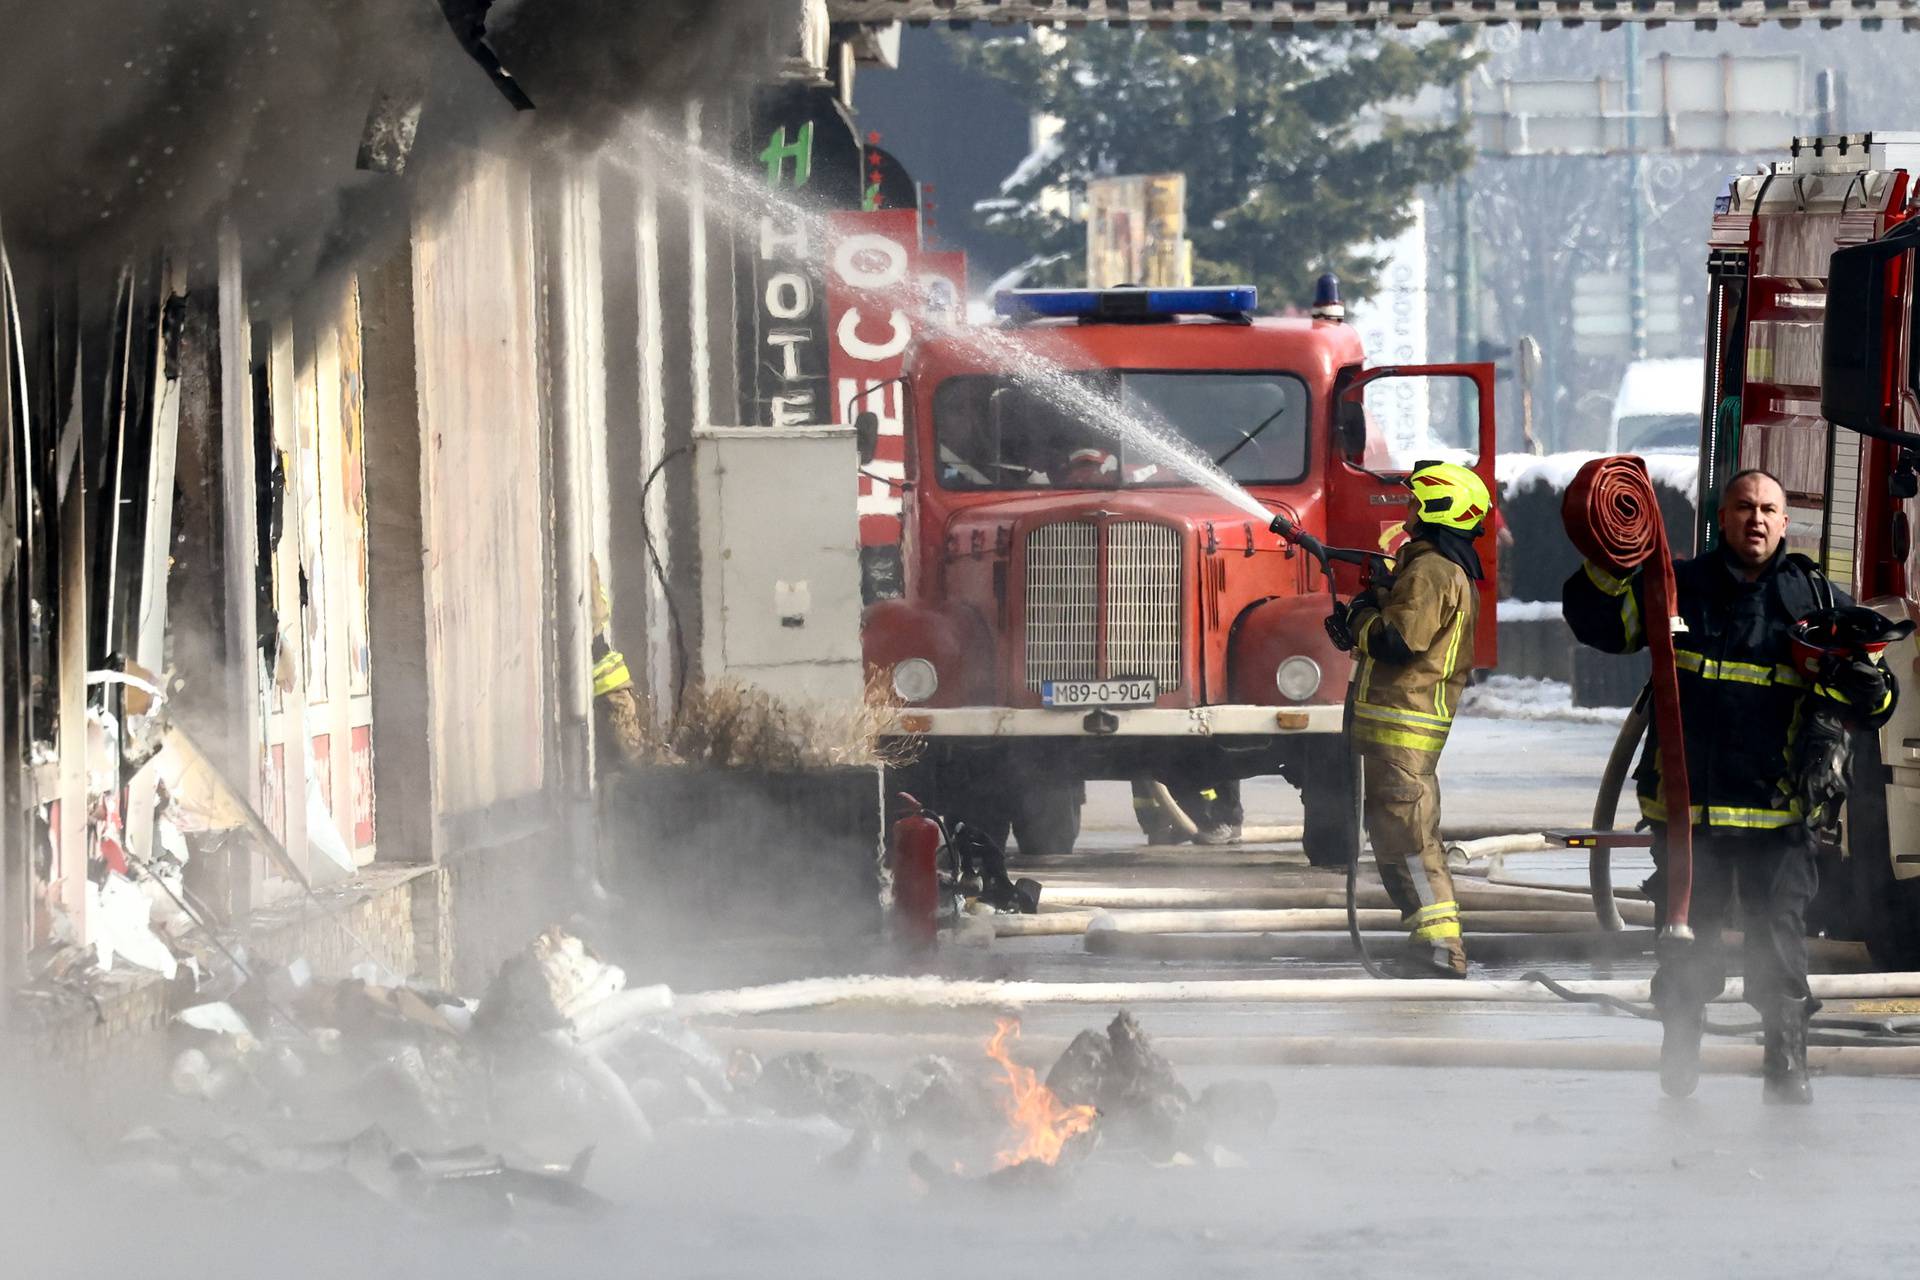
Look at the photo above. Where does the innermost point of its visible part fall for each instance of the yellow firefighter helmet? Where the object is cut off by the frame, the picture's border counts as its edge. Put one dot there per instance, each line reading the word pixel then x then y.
pixel 1447 495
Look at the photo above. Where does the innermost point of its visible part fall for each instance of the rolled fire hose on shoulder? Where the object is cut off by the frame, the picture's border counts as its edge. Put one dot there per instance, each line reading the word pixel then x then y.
pixel 1613 518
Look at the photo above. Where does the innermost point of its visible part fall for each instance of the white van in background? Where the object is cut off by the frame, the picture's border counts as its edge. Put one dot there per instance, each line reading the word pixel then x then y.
pixel 1657 409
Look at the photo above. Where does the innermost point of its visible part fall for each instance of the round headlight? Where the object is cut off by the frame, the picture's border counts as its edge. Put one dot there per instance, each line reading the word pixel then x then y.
pixel 1298 678
pixel 915 680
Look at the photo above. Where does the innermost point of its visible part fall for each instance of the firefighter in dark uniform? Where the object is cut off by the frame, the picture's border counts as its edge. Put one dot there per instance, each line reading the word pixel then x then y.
pixel 1212 807
pixel 1742 705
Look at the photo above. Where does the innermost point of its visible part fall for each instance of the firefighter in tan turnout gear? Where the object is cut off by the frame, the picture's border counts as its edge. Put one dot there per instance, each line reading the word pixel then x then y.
pixel 1414 644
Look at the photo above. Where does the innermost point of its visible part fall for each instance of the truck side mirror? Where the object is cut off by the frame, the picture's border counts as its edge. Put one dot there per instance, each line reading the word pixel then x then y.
pixel 866 435
pixel 1350 429
pixel 1854 352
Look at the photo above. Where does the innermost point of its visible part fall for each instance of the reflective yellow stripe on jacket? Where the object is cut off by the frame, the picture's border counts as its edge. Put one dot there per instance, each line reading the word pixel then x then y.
pixel 1408 706
pixel 1738 672
pixel 1716 815
pixel 1629 607
pixel 1447 667
pixel 1364 677
pixel 610 673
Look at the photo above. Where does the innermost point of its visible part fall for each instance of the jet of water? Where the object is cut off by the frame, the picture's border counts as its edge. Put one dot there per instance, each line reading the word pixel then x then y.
pixel 744 200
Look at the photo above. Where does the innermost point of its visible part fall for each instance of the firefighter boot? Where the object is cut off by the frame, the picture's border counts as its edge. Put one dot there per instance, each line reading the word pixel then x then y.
pixel 1783 1062
pixel 1680 1050
pixel 1441 958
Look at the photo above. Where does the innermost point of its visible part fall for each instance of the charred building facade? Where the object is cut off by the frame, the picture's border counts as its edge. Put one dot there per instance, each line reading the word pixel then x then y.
pixel 352 365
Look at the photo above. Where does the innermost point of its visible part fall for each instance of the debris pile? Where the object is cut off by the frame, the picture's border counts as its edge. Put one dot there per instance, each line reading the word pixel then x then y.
pixel 432 1101
pixel 1144 1107
pixel 182 815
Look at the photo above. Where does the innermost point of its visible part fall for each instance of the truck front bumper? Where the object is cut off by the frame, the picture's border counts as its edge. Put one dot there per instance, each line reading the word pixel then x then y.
pixel 1110 722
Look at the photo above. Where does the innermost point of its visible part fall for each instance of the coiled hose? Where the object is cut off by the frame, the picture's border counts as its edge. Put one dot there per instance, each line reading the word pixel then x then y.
pixel 1612 516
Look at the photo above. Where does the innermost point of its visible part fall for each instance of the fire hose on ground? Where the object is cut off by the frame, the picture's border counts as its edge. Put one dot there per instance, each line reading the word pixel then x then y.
pixel 1307 919
pixel 1328 1051
pixel 1503 950
pixel 876 991
pixel 1492 897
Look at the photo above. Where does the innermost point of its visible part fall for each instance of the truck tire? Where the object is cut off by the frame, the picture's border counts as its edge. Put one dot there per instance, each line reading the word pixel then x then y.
pixel 1330 794
pixel 1885 912
pixel 1046 819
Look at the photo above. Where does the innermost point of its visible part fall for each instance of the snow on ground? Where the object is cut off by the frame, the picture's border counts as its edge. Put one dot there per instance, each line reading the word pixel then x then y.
pixel 1516 471
pixel 1524 698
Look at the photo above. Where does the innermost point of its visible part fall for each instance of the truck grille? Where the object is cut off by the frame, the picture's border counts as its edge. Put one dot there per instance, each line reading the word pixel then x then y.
pixel 1061 602
pixel 1139 600
pixel 1143 601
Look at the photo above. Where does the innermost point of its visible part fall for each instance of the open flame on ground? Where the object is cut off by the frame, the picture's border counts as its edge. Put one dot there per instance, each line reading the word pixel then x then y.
pixel 1042 1125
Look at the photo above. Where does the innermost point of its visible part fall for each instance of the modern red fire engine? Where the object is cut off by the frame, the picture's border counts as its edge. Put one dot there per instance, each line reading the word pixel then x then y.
pixel 1076 609
pixel 1813 373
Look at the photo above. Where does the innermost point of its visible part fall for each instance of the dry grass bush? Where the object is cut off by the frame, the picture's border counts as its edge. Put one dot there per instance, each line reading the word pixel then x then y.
pixel 730 725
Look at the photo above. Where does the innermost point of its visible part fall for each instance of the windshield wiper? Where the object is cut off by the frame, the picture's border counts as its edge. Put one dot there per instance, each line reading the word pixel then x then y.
pixel 1248 438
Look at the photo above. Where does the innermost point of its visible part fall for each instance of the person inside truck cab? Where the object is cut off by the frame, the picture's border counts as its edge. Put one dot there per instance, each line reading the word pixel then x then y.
pixel 1089 466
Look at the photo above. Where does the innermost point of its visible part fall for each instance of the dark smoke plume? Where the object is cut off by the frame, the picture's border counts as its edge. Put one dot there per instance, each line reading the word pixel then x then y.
pixel 126 124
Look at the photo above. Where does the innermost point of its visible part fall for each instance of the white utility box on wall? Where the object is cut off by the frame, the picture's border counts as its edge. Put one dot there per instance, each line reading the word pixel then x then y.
pixel 780 559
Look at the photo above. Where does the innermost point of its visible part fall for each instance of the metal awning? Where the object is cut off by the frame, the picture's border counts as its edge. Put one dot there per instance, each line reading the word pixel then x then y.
pixel 1292 14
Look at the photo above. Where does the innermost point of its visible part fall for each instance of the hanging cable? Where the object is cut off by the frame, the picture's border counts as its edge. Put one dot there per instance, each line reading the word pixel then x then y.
pixel 679 655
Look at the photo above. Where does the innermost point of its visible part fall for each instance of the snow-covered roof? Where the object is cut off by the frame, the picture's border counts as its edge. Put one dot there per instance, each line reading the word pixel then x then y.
pixel 1516 471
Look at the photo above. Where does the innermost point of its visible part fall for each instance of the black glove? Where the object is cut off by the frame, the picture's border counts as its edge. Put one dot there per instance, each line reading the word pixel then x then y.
pixel 1823 773
pixel 1862 685
pixel 1368 599
pixel 1337 629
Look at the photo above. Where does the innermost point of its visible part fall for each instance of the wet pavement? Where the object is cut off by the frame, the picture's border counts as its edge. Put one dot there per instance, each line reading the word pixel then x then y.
pixel 1365 1170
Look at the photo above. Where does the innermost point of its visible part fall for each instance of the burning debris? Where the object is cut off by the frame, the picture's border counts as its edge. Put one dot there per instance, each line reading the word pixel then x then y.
pixel 439 1103
pixel 1042 1124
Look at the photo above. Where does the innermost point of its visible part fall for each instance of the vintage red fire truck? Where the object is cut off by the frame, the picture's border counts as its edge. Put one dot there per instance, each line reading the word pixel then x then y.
pixel 1075 608
pixel 1812 371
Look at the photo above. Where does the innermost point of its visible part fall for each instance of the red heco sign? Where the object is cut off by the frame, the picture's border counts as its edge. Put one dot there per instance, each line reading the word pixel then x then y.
pixel 881 287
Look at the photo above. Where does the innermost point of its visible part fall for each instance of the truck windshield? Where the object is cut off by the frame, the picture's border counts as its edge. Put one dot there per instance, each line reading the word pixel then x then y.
pixel 996 433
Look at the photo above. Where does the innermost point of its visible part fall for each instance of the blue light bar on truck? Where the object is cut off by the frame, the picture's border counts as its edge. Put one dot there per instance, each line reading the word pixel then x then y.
pixel 1125 304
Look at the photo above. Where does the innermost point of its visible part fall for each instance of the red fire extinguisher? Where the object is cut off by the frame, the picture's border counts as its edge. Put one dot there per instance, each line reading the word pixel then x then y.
pixel 913 859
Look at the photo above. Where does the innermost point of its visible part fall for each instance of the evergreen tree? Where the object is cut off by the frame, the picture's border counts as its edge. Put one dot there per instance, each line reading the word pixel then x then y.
pixel 1294 157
